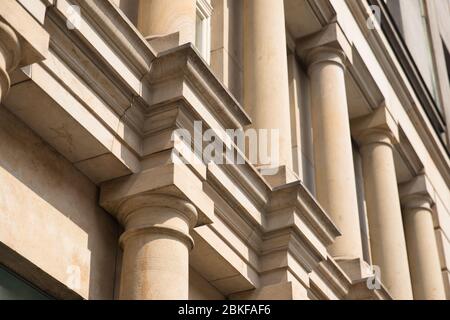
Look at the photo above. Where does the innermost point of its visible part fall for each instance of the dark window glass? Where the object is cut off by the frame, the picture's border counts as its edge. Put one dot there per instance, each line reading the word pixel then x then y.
pixel 14 288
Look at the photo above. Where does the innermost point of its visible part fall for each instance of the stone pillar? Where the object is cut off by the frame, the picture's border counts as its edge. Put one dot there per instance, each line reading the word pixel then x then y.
pixel 423 255
pixel 375 135
pixel 162 17
pixel 334 169
pixel 266 87
pixel 10 55
pixel 156 245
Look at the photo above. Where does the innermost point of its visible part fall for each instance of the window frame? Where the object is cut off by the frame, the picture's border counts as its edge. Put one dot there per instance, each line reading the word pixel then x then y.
pixel 203 41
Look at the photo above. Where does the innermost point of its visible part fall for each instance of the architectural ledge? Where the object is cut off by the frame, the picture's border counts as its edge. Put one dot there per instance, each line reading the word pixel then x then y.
pixel 340 286
pixel 185 64
pixel 359 291
pixel 292 205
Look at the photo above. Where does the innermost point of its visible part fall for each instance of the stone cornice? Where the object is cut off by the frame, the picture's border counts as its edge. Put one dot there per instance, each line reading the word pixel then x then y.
pixel 296 197
pixel 323 10
pixel 112 23
pixel 329 272
pixel 185 63
pixel 375 127
pixel 417 193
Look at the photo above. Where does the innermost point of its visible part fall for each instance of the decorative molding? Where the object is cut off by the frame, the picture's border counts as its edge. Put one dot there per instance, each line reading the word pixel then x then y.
pixel 379 123
pixel 330 38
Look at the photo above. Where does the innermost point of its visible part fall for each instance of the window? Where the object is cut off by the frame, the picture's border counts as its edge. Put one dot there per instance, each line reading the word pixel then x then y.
pixel 447 59
pixel 203 28
pixel 14 288
pixel 411 19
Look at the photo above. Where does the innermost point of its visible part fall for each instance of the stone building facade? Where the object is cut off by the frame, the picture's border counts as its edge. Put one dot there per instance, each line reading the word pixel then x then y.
pixel 96 204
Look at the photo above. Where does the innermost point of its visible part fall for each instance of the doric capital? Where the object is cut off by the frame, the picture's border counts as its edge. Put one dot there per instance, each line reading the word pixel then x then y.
pixel 328 45
pixel 417 193
pixel 377 127
pixel 154 213
pixel 156 200
pixel 9 55
pixel 23 41
pixel 327 55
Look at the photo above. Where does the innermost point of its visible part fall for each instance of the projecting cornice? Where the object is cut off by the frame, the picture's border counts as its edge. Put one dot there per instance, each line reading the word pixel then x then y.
pixel 293 205
pixel 185 64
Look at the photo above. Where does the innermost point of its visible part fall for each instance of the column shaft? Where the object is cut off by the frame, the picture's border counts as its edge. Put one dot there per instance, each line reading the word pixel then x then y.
pixel 423 253
pixel 156 245
pixel 387 239
pixel 334 169
pixel 162 17
pixel 266 88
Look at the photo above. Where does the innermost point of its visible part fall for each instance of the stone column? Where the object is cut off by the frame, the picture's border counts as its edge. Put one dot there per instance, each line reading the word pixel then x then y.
pixel 266 87
pixel 334 169
pixel 162 17
pixel 156 245
pixel 375 134
pixel 423 255
pixel 10 55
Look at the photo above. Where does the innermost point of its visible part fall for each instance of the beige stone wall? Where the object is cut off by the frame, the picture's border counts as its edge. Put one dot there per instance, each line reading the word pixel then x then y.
pixel 201 289
pixel 50 215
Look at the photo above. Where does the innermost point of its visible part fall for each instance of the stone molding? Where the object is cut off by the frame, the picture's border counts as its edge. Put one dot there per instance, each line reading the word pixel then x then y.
pixel 128 214
pixel 417 193
pixel 329 44
pixel 378 127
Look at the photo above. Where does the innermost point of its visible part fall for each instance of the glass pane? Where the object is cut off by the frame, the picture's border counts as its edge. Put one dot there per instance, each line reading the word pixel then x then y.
pixel 14 288
pixel 199 33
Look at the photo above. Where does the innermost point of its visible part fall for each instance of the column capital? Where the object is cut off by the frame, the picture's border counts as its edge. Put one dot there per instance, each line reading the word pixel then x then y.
pixel 417 193
pixel 328 45
pixel 325 54
pixel 378 127
pixel 157 213
pixel 23 41
pixel 156 200
pixel 10 53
